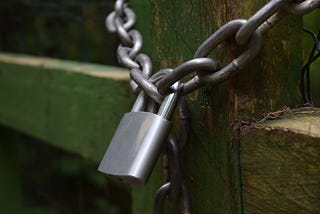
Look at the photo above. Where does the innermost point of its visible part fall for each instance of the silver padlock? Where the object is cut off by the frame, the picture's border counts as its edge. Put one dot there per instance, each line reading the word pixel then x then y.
pixel 138 141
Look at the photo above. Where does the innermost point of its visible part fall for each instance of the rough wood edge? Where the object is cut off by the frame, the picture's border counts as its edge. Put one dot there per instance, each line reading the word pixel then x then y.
pixel 280 163
pixel 305 121
pixel 91 69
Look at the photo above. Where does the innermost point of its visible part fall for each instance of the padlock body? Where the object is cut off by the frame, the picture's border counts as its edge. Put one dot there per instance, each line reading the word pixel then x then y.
pixel 135 147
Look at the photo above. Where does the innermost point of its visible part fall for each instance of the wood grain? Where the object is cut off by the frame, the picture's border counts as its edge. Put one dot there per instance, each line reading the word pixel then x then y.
pixel 280 164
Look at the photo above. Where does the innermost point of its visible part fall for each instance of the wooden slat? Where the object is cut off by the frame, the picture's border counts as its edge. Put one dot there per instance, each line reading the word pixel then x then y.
pixel 280 164
pixel 75 106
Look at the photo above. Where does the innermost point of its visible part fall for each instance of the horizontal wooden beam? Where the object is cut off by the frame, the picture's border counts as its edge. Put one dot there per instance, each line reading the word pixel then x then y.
pixel 280 163
pixel 71 105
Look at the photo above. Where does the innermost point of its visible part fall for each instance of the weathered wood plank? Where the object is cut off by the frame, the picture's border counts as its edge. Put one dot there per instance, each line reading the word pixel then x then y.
pixel 280 164
pixel 75 106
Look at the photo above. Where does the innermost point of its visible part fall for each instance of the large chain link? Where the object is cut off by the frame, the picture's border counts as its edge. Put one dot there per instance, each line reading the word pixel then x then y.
pixel 247 33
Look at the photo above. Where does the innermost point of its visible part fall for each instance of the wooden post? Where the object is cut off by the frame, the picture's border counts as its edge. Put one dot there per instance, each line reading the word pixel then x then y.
pixel 173 30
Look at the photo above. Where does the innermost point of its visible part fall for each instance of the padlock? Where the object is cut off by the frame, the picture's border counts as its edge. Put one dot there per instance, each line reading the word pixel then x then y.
pixel 138 141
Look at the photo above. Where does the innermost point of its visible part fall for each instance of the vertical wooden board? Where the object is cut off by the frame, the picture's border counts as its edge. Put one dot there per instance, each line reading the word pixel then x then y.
pixel 210 160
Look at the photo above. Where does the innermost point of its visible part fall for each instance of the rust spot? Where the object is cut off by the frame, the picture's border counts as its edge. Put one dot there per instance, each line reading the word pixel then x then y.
pixel 243 103
pixel 156 20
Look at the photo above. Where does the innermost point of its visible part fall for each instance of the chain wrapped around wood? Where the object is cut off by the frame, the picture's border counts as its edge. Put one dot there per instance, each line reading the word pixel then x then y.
pixel 245 32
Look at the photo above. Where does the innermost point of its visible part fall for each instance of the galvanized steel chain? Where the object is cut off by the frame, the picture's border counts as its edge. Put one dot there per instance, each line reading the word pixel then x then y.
pixel 206 71
pixel 152 88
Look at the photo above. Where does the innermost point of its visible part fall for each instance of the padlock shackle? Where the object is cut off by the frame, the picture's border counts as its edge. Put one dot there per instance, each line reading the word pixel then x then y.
pixel 141 102
pixel 170 102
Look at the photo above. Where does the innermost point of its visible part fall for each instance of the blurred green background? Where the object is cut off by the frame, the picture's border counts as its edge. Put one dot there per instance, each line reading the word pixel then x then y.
pixel 55 181
pixel 58 28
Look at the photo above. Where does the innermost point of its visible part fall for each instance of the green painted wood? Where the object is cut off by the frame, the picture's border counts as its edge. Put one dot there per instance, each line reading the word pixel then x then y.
pixel 10 186
pixel 71 105
pixel 280 164
pixel 211 159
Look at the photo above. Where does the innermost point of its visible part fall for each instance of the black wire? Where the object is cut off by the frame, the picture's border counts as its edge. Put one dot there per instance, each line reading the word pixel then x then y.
pixel 305 86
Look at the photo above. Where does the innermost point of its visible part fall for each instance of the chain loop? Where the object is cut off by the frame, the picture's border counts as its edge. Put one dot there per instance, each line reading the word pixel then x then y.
pixel 110 22
pixel 246 30
pixel 303 8
pixel 202 64
pixel 124 58
pixel 129 16
pixel 235 65
pixel 146 85
pixel 174 168
pixel 160 197
pixel 145 62
pixel 163 192
pixel 122 32
pixel 119 7
pixel 222 34
pixel 272 21
pixel 137 43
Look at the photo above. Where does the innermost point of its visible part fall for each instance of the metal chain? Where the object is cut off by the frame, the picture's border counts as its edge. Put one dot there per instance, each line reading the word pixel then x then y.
pixel 247 33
